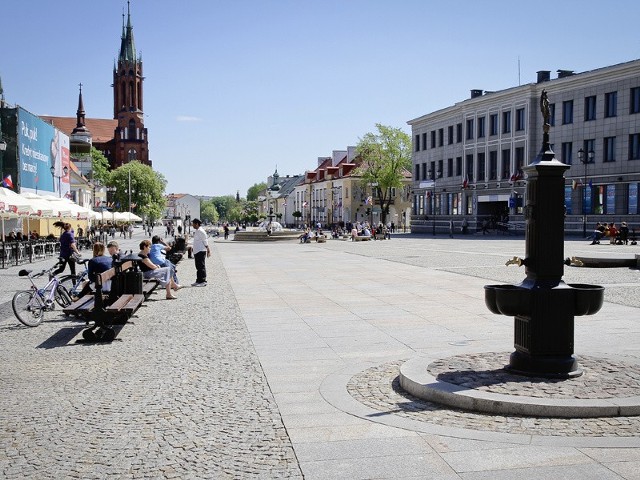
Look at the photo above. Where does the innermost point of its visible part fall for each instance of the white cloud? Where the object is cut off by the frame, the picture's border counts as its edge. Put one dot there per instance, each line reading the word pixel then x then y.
pixel 186 118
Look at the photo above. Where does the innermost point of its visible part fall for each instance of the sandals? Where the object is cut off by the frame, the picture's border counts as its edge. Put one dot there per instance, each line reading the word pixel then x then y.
pixel 171 297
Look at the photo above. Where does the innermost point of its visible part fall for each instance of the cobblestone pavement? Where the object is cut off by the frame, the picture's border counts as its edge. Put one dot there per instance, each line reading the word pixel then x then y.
pixel 179 394
pixel 378 388
pixel 601 378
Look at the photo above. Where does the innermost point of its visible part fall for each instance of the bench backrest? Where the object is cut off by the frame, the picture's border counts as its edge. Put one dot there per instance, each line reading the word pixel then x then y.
pixel 109 274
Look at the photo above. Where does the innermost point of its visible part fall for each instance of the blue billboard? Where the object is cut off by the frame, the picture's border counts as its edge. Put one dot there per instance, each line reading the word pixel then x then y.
pixel 40 147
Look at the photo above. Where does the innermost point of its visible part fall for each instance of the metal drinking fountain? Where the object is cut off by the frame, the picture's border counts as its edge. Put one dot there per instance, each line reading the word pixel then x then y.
pixel 543 305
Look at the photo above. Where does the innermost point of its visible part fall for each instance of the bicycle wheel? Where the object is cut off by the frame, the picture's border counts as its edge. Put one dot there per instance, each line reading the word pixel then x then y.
pixel 62 297
pixel 69 282
pixel 28 308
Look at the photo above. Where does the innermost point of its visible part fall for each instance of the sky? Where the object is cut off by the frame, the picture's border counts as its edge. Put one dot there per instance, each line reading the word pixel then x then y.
pixel 235 89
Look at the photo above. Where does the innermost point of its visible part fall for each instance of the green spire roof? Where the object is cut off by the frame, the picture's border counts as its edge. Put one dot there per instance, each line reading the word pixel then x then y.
pixel 127 45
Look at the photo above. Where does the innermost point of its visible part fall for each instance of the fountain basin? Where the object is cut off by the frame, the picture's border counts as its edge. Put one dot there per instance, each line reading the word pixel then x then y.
pixel 513 300
pixel 588 299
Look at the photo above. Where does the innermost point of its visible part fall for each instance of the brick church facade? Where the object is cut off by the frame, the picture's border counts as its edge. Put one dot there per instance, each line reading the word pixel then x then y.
pixel 124 138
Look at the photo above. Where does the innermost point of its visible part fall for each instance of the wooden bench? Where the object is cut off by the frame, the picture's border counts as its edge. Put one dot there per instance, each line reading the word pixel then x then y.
pixel 107 310
pixel 81 307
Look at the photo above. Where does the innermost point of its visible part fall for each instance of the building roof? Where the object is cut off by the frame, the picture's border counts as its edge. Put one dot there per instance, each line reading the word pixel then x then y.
pixel 101 129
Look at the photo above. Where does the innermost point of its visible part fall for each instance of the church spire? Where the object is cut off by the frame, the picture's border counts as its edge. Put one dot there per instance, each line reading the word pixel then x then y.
pixel 127 45
pixel 80 113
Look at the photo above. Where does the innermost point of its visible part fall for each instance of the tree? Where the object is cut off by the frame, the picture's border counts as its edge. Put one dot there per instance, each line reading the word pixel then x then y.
pixel 224 205
pixel 257 189
pixel 208 212
pixel 100 166
pixel 147 189
pixel 385 159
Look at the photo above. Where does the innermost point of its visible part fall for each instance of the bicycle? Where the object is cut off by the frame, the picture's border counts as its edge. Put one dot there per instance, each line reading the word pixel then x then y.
pixel 75 283
pixel 29 306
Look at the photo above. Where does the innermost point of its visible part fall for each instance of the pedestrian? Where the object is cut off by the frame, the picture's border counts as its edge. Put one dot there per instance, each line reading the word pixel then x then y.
pixel 465 226
pixel 450 228
pixel 67 249
pixel 200 251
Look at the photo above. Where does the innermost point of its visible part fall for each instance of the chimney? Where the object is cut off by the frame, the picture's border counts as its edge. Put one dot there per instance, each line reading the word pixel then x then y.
pixel 543 76
pixel 565 73
pixel 476 93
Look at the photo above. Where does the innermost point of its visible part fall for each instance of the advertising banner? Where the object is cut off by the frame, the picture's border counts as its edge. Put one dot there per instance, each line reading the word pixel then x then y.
pixel 40 147
pixel 633 199
pixel 611 199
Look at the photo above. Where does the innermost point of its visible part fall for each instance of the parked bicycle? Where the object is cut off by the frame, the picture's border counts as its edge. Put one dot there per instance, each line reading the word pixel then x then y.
pixel 30 306
pixel 75 283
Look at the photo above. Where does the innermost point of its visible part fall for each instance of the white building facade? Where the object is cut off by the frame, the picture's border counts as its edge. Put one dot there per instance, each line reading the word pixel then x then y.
pixel 468 158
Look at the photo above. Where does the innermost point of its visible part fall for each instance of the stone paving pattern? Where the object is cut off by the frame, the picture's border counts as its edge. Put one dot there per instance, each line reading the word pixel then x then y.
pixel 378 387
pixel 601 378
pixel 179 394
pixel 230 381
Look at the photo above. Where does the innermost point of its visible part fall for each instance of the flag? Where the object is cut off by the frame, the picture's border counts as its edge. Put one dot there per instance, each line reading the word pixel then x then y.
pixel 6 182
pixel 465 182
pixel 304 204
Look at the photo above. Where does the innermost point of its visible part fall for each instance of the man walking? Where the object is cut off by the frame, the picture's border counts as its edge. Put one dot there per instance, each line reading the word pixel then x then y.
pixel 200 252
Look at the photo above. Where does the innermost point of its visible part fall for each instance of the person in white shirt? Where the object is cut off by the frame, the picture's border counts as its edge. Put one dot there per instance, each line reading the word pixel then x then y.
pixel 200 252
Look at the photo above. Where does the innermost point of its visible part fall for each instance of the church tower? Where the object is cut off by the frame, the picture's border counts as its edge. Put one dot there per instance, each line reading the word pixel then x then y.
pixel 130 136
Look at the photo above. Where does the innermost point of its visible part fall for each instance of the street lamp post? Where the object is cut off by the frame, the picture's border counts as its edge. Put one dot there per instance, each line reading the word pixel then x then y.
pixel 65 170
pixel 585 161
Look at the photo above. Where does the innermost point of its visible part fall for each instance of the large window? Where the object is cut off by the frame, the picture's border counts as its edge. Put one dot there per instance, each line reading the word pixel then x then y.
pixel 458 132
pixel 589 146
pixel 458 166
pixel 567 152
pixel 424 141
pixel 450 135
pixel 482 175
pixel 493 124
pixel 416 173
pixel 441 137
pixel 567 112
pixel 493 165
pixel 590 108
pixel 611 104
pixel 520 119
pixel 609 149
pixel 634 146
pixel 469 162
pixel 634 106
pixel 506 164
pixel 506 121
pixel 433 139
pixel 552 114
pixel 450 167
pixel 519 160
pixel 470 129
pixel 481 129
pixel 417 143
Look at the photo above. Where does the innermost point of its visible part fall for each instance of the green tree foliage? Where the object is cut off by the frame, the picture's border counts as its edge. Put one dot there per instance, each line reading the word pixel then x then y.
pixel 100 166
pixel 250 212
pixel 208 211
pixel 386 157
pixel 224 205
pixel 255 191
pixel 147 189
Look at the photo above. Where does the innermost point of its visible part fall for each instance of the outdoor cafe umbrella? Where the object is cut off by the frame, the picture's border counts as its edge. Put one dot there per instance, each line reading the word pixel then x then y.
pixel 13 205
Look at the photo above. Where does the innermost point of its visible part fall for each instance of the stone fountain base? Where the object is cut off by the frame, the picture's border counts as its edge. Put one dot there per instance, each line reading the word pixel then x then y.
pixel 479 382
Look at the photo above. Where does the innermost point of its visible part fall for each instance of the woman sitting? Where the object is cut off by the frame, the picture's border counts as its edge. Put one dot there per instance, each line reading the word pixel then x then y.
pixel 151 270
pixel 97 265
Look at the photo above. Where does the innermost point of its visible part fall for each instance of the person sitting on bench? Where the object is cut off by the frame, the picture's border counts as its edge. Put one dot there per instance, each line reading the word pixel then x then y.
pixel 98 264
pixel 151 270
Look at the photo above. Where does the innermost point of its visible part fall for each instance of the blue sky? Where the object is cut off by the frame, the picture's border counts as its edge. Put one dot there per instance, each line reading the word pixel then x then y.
pixel 234 88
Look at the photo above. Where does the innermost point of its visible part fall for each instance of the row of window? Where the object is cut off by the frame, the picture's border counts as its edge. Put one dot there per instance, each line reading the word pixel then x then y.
pixel 454 167
pixel 476 128
pixel 437 137
pixel 591 107
pixel 434 170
